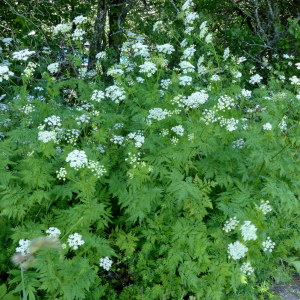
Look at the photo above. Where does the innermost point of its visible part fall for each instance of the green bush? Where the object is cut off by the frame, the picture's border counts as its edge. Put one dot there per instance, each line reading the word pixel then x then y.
pixel 185 177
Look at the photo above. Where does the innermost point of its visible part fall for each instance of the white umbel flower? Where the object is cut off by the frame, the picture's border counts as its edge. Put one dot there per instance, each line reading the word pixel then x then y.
pixel 267 126
pixel 77 159
pixel 268 244
pixel 265 207
pixel 246 268
pixel 231 224
pixel 248 231
pixel 75 240
pixel 53 232
pixel 24 246
pixel 178 130
pixel 105 263
pixel 237 250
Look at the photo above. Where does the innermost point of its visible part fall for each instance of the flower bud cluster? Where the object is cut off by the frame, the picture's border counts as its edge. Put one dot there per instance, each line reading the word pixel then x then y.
pixel 28 72
pixel 133 159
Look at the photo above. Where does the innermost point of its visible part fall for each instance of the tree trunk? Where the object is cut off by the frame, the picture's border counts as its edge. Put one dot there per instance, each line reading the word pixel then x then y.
pixel 98 42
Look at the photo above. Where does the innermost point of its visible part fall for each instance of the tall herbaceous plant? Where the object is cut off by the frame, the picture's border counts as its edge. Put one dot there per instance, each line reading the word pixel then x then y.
pixel 174 180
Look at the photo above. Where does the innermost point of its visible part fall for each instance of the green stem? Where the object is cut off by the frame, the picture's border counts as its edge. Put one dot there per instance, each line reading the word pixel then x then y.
pixel 23 285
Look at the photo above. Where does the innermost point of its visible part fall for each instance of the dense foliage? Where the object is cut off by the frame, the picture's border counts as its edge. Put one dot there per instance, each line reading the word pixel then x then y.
pixel 171 175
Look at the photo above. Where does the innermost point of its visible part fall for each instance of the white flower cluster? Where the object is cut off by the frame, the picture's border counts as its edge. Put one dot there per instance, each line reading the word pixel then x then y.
pixel 195 99
pixel 133 159
pixel 5 73
pixel 77 159
pixel 100 148
pixel 77 35
pixel 82 119
pixel 208 116
pixel 97 96
pixel 24 246
pixel 115 93
pixel 157 114
pixel 115 71
pixel 187 5
pixel 61 174
pixel 188 53
pixel 140 49
pixel 248 231
pixel 215 77
pixel 225 102
pixel 79 20
pixel 53 232
pixel 240 143
pixel 226 53
pixel 105 263
pixel 268 244
pixel 267 126
pixel 62 28
pixel 241 59
pixel 101 55
pixel 29 70
pixel 118 139
pixel 265 207
pixel 138 137
pixel 75 240
pixel 186 67
pixel 140 79
pixel 246 268
pixel 230 124
pixel 174 140
pixel 178 130
pixel 53 121
pixel 282 124
pixel 149 68
pixel 203 29
pixel 190 18
pixel 7 41
pixel 295 80
pixel 231 224
pixel 53 68
pixel 246 93
pixel 185 80
pixel 157 26
pixel 96 168
pixel 82 72
pixel 47 136
pixel 255 79
pixel 237 250
pixel 164 132
pixel 165 83
pixel 70 135
pixel 23 54
pixel 166 48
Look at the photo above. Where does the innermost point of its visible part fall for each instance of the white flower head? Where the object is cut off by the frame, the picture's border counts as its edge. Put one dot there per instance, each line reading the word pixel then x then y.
pixel 248 231
pixel 75 240
pixel 237 250
pixel 105 263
